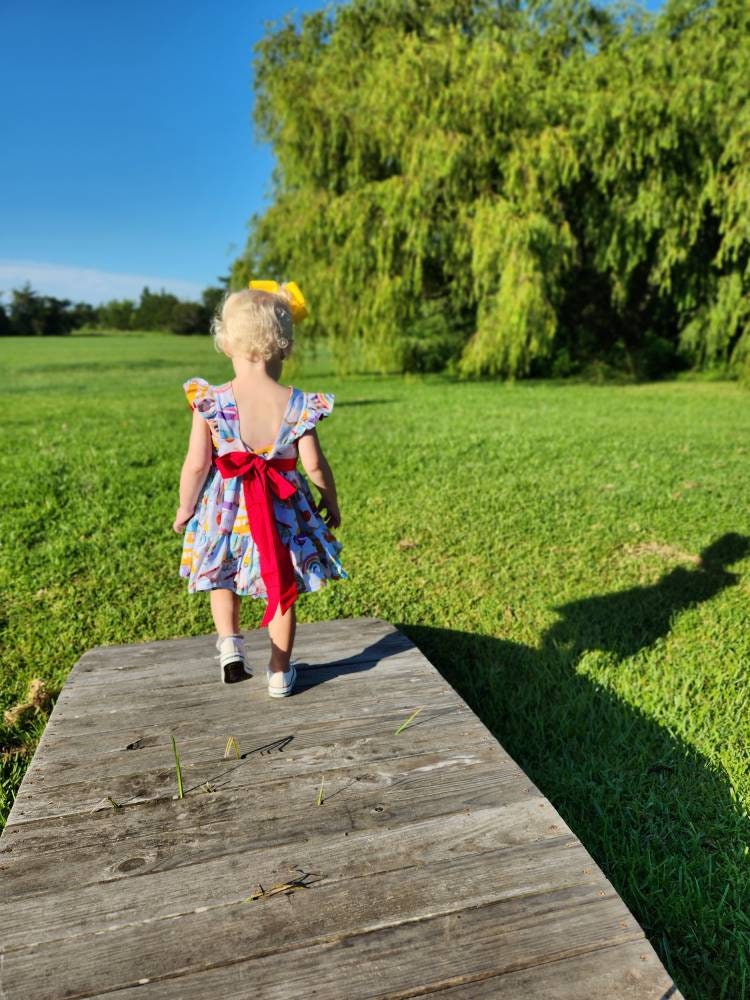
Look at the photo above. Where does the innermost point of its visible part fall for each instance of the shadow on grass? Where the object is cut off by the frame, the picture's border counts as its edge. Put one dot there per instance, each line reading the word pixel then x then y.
pixel 658 817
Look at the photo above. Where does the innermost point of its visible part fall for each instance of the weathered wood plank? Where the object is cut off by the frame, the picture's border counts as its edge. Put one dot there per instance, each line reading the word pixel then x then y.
pixel 411 958
pixel 136 890
pixel 325 678
pixel 204 704
pixel 66 783
pixel 177 944
pixel 622 971
pixel 67 760
pixel 333 643
pixel 436 861
pixel 42 798
pixel 322 663
pixel 166 834
pixel 62 757
pixel 75 734
pixel 222 901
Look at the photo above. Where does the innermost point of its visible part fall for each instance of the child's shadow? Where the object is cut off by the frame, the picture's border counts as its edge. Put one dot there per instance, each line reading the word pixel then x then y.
pixel 314 671
pixel 652 810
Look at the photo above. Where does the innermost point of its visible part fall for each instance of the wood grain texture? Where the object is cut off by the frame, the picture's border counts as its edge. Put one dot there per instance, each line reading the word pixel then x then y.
pixel 433 864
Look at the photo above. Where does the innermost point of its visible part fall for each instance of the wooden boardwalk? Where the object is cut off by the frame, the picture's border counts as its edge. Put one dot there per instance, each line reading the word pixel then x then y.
pixel 433 864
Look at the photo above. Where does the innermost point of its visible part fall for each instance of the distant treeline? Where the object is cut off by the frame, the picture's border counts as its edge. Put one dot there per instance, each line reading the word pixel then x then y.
pixel 512 188
pixel 30 314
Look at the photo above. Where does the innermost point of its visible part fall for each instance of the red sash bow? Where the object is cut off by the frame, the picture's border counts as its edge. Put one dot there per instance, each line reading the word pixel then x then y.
pixel 260 480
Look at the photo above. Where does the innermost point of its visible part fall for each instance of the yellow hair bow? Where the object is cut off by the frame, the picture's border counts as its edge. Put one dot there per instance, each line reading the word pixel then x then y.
pixel 297 303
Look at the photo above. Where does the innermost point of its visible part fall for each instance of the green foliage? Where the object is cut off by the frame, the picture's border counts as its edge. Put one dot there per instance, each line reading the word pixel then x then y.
pixel 6 327
pixel 31 313
pixel 188 317
pixel 211 298
pixel 557 181
pixel 83 314
pixel 162 311
pixel 118 314
pixel 155 310
pixel 40 315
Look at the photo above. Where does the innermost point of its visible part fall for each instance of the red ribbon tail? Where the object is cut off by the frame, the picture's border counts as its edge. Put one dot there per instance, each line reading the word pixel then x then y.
pixel 275 561
pixel 270 612
pixel 284 600
pixel 260 480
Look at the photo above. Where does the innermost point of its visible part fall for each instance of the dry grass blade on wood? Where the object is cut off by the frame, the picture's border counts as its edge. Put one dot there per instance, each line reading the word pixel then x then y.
pixel 180 788
pixel 232 744
pixel 405 724
pixel 285 887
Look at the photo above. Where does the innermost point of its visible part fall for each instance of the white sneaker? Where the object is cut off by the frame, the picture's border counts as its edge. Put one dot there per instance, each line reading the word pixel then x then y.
pixel 283 687
pixel 232 659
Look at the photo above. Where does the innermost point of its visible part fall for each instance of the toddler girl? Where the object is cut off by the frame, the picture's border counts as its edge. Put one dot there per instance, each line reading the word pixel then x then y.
pixel 251 524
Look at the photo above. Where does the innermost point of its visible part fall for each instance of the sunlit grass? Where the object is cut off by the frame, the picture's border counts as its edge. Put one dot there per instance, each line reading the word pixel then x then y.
pixel 572 558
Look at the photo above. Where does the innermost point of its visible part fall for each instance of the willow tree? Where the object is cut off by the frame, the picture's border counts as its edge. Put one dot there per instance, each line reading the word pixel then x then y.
pixel 501 187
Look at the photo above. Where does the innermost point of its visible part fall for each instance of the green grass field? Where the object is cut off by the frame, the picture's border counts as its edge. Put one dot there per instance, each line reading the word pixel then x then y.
pixel 574 559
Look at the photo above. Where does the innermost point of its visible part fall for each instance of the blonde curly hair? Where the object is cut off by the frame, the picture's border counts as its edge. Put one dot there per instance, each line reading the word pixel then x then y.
pixel 254 324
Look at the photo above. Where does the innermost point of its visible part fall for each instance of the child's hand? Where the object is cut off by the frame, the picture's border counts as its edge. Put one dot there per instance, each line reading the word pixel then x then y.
pixel 333 517
pixel 181 518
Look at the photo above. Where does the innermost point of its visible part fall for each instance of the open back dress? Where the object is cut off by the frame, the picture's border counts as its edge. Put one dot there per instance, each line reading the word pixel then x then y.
pixel 218 548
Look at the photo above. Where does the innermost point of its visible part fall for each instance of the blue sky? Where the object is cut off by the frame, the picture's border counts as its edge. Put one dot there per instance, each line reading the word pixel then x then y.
pixel 128 155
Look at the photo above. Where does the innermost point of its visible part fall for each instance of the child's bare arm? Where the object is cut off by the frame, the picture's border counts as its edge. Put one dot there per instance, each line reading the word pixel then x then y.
pixel 317 468
pixel 194 469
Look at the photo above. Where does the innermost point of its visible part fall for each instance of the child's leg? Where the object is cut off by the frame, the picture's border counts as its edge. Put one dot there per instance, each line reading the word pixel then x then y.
pixel 225 607
pixel 281 631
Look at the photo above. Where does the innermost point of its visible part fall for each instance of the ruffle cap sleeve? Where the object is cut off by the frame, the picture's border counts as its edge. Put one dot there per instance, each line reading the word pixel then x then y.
pixel 315 406
pixel 200 397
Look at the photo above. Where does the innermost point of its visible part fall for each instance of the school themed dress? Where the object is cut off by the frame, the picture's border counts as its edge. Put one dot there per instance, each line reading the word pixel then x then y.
pixel 284 547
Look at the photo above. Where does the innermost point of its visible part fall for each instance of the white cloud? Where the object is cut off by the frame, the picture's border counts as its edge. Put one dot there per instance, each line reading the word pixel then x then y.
pixel 85 284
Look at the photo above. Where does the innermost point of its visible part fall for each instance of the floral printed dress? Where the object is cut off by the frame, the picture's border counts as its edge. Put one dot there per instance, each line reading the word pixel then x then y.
pixel 218 548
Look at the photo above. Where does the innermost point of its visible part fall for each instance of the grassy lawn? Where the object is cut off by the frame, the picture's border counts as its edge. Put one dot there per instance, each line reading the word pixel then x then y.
pixel 573 559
